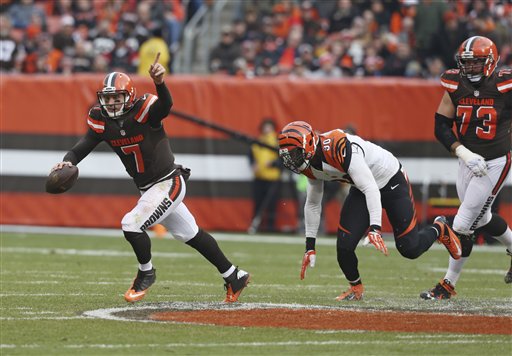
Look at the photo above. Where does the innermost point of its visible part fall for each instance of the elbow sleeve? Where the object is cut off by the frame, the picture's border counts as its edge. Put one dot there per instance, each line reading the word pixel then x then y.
pixel 443 131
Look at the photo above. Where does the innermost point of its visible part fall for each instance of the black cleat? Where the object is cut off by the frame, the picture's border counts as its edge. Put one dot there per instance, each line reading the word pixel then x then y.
pixel 235 284
pixel 140 285
pixel 442 290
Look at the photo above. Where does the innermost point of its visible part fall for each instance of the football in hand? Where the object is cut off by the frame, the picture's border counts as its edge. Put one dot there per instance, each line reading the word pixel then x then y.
pixel 62 179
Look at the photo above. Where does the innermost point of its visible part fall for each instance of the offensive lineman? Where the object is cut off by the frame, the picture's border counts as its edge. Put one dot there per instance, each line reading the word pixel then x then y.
pixel 479 101
pixel 378 181
pixel 133 128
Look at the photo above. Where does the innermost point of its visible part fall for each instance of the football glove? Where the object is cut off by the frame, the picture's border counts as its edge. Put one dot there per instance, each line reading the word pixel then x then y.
pixel 309 259
pixel 375 238
pixel 475 162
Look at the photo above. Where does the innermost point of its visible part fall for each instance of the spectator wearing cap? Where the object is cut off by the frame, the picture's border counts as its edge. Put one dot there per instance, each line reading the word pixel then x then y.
pixel 223 55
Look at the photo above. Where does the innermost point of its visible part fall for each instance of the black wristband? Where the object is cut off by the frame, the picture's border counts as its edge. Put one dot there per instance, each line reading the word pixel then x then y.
pixel 310 243
pixel 375 228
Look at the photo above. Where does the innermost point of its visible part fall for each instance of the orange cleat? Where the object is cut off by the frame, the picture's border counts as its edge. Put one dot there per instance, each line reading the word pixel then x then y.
pixel 353 293
pixel 448 237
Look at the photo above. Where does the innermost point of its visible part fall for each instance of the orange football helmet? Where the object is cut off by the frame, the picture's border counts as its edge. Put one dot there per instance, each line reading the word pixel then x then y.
pixel 477 57
pixel 297 145
pixel 117 95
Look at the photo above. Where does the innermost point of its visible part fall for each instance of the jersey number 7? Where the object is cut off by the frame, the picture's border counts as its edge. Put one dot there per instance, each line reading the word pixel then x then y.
pixel 136 152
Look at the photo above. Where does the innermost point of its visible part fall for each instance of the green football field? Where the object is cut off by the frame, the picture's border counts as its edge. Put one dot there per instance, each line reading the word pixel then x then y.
pixel 59 291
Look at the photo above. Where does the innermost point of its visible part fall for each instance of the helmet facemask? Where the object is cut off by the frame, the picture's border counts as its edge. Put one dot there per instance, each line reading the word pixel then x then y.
pixel 295 159
pixel 114 102
pixel 473 68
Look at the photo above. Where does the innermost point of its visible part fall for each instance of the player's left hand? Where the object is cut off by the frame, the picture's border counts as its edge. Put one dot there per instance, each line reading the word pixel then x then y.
pixel 375 238
pixel 309 259
pixel 157 71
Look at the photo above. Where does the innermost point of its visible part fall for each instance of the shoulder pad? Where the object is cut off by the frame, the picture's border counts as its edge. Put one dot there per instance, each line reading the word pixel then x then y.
pixel 337 151
pixel 450 80
pixel 95 120
pixel 504 80
pixel 144 103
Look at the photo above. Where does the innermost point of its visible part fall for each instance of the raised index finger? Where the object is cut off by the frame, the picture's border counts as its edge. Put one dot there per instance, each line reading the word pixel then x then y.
pixel 156 58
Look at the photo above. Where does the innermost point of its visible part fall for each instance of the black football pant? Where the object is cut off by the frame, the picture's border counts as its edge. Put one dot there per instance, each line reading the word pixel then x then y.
pixel 398 202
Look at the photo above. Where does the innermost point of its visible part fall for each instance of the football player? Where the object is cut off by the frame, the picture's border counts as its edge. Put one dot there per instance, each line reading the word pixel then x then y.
pixel 132 127
pixel 377 181
pixel 479 101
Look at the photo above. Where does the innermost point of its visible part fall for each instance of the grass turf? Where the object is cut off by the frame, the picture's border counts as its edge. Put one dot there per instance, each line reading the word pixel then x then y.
pixel 49 280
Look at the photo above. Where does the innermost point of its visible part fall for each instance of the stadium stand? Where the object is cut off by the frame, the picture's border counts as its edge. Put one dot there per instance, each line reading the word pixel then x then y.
pixel 296 38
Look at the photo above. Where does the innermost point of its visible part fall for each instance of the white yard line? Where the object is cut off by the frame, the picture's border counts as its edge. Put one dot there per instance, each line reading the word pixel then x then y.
pixel 221 236
pixel 93 253
pixel 418 341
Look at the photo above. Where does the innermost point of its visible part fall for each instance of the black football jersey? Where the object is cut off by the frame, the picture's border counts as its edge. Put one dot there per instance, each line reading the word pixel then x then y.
pixel 483 115
pixel 144 150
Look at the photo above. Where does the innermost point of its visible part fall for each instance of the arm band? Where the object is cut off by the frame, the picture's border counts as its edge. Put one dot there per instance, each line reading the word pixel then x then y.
pixel 443 131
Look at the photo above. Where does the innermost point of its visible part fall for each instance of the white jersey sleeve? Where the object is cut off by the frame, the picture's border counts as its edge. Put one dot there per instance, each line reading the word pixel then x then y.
pixel 313 206
pixel 364 181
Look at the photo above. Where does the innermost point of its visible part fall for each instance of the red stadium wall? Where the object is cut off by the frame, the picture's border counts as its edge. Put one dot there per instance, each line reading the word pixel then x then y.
pixel 384 109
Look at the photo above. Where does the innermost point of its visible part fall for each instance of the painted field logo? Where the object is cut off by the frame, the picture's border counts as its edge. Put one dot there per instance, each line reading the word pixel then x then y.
pixel 308 317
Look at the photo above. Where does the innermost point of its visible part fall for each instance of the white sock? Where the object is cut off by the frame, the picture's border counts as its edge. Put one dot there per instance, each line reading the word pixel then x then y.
pixel 146 266
pixel 455 269
pixel 506 239
pixel 228 272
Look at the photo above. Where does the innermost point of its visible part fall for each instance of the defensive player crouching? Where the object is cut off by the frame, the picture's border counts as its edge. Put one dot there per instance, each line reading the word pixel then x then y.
pixel 378 181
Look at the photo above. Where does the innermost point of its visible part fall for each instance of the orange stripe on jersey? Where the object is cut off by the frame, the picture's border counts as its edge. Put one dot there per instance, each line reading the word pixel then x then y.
pixel 142 116
pixel 505 86
pixel 176 188
pixel 96 125
pixel 334 151
pixel 503 175
pixel 449 85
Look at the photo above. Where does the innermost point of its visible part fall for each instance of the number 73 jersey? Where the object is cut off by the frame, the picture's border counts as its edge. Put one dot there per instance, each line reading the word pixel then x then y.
pixel 483 115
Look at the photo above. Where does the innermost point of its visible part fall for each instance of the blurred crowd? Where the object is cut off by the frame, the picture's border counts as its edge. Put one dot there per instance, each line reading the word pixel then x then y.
pixel 295 38
pixel 347 38
pixel 73 36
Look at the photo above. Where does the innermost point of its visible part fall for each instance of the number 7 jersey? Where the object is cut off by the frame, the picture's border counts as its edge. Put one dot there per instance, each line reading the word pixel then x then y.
pixel 483 113
pixel 144 150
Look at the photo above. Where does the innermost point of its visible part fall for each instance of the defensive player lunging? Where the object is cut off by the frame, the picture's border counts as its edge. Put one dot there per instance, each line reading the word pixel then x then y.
pixel 378 181
pixel 479 101
pixel 132 127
